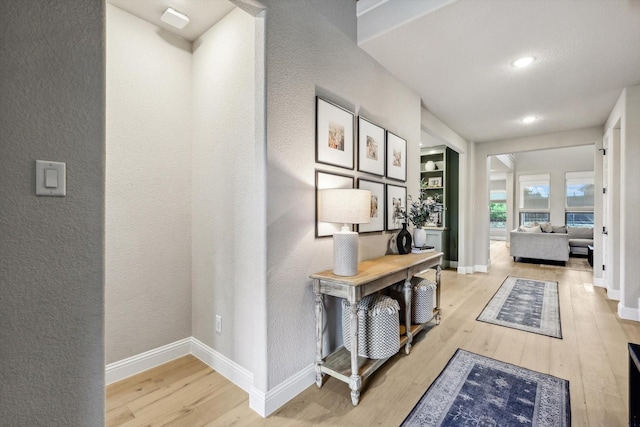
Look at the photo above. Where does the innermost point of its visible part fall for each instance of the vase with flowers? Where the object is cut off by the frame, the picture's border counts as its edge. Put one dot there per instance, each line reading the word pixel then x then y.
pixel 423 212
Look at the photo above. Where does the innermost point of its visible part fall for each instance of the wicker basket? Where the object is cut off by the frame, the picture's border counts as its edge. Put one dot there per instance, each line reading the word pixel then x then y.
pixel 378 326
pixel 422 301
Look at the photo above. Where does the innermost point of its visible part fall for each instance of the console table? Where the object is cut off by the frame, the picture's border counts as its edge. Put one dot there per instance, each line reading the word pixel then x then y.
pixel 373 276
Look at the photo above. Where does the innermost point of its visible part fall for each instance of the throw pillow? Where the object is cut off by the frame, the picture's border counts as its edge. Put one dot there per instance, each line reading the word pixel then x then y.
pixel 535 229
pixel 559 229
pixel 546 227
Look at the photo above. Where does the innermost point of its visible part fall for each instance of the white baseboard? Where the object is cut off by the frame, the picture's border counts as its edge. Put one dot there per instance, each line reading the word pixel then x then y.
pixel 149 359
pixel 261 402
pixel 266 404
pixel 613 294
pixel 480 268
pixel 465 270
pixel 139 363
pixel 453 264
pixel 628 313
pixel 225 366
pixel 597 281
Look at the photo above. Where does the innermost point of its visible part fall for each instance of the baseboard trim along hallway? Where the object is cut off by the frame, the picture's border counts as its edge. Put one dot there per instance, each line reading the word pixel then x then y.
pixel 264 403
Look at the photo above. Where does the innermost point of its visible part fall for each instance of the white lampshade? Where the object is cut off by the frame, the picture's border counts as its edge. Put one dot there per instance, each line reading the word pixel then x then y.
pixel 345 206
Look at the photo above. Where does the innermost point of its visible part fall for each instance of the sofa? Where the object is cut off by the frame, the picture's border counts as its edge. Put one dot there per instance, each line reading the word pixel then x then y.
pixel 527 243
pixel 549 242
pixel 579 239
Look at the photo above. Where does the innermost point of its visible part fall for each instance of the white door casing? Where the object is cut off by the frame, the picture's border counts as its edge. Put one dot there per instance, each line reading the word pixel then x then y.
pixel 605 210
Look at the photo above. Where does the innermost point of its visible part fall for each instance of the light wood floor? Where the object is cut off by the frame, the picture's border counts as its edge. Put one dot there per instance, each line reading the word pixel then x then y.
pixel 592 355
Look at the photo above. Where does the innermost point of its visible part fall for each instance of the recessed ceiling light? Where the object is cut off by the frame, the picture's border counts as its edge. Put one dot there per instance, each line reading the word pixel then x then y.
pixel 529 119
pixel 523 62
pixel 175 18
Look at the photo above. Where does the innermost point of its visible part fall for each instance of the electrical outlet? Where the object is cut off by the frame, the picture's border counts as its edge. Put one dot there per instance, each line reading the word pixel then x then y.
pixel 218 324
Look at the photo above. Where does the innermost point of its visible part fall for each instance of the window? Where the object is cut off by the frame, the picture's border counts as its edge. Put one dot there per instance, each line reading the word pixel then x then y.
pixel 534 192
pixel 498 209
pixel 534 198
pixel 579 194
pixel 579 190
pixel 531 217
pixel 579 219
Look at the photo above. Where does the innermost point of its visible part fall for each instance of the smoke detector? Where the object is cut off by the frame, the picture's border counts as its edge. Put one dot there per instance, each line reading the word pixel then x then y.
pixel 175 18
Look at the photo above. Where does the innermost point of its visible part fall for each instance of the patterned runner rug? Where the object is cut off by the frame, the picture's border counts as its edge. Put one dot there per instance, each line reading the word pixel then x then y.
pixel 526 304
pixel 473 390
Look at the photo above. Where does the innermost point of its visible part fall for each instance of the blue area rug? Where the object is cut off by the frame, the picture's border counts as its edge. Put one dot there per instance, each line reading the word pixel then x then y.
pixel 473 390
pixel 525 304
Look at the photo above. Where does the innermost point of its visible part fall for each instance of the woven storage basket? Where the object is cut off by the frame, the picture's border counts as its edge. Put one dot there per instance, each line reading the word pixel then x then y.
pixel 378 326
pixel 422 302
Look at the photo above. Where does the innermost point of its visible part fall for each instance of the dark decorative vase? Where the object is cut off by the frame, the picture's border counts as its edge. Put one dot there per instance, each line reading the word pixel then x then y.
pixel 404 240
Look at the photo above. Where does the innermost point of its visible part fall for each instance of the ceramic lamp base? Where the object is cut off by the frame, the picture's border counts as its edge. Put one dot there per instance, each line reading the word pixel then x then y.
pixel 345 253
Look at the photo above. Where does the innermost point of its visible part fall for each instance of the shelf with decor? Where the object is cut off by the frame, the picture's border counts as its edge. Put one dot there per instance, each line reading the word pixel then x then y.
pixel 433 173
pixel 439 170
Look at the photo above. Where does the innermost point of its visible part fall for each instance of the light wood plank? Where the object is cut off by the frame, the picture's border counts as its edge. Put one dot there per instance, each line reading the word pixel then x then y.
pixel 139 385
pixel 592 356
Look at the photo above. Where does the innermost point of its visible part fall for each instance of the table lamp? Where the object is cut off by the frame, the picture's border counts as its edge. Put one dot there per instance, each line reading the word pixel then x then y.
pixel 345 206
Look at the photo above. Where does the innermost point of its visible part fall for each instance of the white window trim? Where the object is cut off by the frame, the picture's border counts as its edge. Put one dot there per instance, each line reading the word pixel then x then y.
pixel 539 177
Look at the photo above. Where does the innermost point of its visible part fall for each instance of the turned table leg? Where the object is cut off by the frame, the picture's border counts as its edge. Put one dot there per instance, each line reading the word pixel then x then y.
pixel 407 310
pixel 438 286
pixel 355 381
pixel 319 338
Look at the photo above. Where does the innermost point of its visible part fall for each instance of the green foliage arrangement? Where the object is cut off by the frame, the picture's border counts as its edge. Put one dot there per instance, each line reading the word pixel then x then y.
pixel 420 210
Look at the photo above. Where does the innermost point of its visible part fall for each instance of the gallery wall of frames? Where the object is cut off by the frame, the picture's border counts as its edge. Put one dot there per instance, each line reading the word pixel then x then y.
pixel 377 155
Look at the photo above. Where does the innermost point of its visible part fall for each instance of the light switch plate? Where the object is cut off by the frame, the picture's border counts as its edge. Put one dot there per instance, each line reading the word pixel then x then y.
pixel 44 168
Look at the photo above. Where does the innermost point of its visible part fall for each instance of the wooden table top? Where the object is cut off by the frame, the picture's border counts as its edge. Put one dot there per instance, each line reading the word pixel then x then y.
pixel 373 269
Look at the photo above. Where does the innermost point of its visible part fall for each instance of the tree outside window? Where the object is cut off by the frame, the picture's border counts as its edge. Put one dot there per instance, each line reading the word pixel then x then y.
pixel 498 209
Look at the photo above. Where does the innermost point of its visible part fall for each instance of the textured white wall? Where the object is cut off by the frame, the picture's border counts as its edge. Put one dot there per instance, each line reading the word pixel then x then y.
pixel 148 187
pixel 555 162
pixel 51 248
pixel 307 55
pixel 227 234
pixel 434 130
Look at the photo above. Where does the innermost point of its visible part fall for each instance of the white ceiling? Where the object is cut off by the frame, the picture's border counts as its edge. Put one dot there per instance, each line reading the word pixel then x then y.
pixel 456 55
pixel 203 14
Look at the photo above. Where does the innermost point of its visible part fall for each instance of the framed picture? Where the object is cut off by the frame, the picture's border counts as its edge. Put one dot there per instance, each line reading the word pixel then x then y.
pixel 326 180
pixel 377 206
pixel 396 157
pixel 334 134
pixel 371 147
pixel 396 204
pixel 434 182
